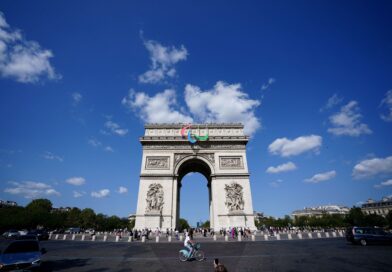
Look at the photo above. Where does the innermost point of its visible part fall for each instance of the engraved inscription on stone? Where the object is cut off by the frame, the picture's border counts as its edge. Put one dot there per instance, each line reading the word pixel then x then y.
pixel 154 198
pixel 157 163
pixel 231 162
pixel 234 197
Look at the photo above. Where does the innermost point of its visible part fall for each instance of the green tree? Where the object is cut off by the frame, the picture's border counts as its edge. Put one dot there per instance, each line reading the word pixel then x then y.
pixel 206 224
pixel 74 218
pixel 38 213
pixel 88 218
pixel 355 217
pixel 183 224
pixel 389 219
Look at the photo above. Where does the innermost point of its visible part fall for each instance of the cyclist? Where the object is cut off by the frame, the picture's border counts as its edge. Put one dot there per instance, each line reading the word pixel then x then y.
pixel 188 243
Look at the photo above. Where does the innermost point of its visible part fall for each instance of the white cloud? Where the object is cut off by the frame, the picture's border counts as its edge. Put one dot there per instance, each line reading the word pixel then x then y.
pixel 384 184
pixel 109 149
pixel 276 183
pixel 224 103
pixel 77 194
pixel 286 147
pixel 115 128
pixel 122 190
pixel 31 189
pixel 23 60
pixel 348 121
pixel 163 60
pixel 270 81
pixel 321 177
pixel 156 109
pixel 76 98
pixel 387 103
pixel 77 181
pixel 50 156
pixel 94 142
pixel 289 166
pixel 332 101
pixel 372 167
pixel 100 193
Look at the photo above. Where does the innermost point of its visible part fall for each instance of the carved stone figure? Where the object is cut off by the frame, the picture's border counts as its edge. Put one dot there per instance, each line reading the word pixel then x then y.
pixel 157 163
pixel 154 198
pixel 231 162
pixel 234 197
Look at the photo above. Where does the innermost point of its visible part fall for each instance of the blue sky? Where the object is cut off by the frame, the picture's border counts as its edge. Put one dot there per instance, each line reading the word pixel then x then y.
pixel 310 80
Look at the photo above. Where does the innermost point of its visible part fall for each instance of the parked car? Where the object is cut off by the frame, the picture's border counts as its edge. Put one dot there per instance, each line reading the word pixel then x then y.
pixel 40 234
pixel 72 230
pixel 90 231
pixel 21 255
pixel 368 235
pixel 11 234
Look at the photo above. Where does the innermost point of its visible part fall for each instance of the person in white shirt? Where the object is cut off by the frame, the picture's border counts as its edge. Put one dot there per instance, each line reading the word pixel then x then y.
pixel 188 243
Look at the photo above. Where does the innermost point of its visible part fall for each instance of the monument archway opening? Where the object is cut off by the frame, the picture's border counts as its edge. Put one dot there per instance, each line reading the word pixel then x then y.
pixel 195 207
pixel 217 151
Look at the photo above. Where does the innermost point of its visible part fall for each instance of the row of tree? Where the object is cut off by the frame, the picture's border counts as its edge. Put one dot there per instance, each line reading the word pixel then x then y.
pixel 355 217
pixel 40 212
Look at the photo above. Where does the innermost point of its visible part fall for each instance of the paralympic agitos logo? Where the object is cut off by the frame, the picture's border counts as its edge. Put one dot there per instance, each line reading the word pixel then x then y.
pixel 192 138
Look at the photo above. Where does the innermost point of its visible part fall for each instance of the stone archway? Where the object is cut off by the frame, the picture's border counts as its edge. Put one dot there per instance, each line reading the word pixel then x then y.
pixel 168 157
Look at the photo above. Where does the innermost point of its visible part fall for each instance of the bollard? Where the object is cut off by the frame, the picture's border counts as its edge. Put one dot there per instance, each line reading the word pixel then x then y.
pixel 105 238
pixel 143 239
pixel 169 239
pixel 73 237
pixel 50 236
pixel 278 237
pixel 117 238
pixel 289 236
pixel 253 237
pixel 181 237
pixel 226 238
pixel 310 235
pixel 65 237
pixel 265 237
pixel 340 233
pixel 318 235
pixel 239 237
pixel 300 236
pixel 56 237
pixel 334 234
pixel 157 239
pixel 326 235
pixel 83 236
pixel 130 239
pixel 93 238
pixel 214 237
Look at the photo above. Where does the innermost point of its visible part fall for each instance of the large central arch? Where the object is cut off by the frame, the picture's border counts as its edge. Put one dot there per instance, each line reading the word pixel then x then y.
pixel 168 157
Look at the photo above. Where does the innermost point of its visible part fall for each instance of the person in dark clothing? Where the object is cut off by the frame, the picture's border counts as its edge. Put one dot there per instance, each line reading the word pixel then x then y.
pixel 218 267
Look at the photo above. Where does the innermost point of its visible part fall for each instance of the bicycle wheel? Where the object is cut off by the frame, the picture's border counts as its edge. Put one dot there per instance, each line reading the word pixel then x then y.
pixel 183 258
pixel 199 255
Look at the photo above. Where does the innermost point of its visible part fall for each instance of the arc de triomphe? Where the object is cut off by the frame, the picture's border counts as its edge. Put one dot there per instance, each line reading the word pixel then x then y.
pixel 170 151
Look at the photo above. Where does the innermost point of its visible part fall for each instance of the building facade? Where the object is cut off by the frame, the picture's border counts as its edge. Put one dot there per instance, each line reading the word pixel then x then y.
pixel 382 207
pixel 319 211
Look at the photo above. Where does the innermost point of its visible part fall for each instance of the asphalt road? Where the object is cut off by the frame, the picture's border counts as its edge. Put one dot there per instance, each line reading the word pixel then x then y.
pixel 296 255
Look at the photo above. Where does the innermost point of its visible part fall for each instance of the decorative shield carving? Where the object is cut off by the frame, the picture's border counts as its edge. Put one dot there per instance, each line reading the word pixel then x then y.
pixel 234 197
pixel 154 198
pixel 157 163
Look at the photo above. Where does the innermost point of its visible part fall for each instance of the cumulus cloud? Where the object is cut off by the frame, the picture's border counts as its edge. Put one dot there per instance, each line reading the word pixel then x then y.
pixel 115 128
pixel 384 184
pixel 224 103
pixel 387 103
pixel 31 189
pixel 50 156
pixel 321 177
pixel 160 108
pixel 276 183
pixel 348 121
pixel 372 167
pixel 94 142
pixel 23 60
pixel 77 181
pixel 163 60
pixel 108 149
pixel 289 166
pixel 122 190
pixel 77 194
pixel 101 193
pixel 76 98
pixel 286 147
pixel 332 101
